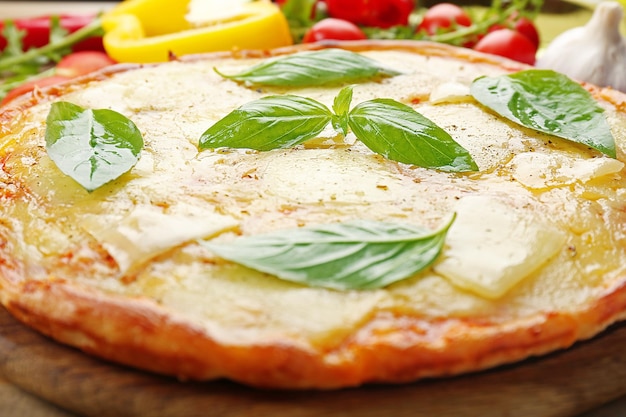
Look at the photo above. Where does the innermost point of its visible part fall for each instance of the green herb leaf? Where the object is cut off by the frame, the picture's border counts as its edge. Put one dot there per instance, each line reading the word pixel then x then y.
pixel 354 255
pixel 268 123
pixel 341 107
pixel 327 66
pixel 15 61
pixel 301 15
pixel 14 37
pixel 91 146
pixel 399 133
pixel 549 102
pixel 57 34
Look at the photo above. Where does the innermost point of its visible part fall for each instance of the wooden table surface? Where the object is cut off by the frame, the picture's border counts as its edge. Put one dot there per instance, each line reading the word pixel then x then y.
pixel 24 354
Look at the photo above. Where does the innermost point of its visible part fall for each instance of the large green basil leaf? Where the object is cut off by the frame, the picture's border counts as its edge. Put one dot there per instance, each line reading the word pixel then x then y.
pixel 399 133
pixel 360 254
pixel 548 102
pixel 324 67
pixel 93 147
pixel 268 123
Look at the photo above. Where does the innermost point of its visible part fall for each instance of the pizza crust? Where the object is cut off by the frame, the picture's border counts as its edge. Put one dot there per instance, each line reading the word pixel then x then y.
pixel 181 311
pixel 388 348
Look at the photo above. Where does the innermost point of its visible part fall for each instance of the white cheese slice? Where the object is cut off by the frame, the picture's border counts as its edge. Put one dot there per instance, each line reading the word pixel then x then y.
pixel 206 12
pixel 539 170
pixel 147 231
pixel 491 246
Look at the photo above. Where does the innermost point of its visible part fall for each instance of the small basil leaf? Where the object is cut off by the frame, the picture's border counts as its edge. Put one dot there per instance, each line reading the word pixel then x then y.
pixel 93 147
pixel 268 123
pixel 548 102
pixel 354 255
pixel 397 132
pixel 327 66
pixel 341 107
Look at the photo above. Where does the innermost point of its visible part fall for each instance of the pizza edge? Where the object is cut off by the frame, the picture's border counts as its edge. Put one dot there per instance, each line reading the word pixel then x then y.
pixel 388 348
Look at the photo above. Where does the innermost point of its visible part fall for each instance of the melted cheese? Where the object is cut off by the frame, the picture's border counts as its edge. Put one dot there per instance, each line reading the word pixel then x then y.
pixel 578 255
pixel 543 170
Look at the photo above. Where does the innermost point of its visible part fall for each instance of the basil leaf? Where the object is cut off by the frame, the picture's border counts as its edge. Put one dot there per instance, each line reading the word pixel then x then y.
pixel 327 66
pixel 354 255
pixel 93 147
pixel 397 132
pixel 341 107
pixel 268 123
pixel 548 102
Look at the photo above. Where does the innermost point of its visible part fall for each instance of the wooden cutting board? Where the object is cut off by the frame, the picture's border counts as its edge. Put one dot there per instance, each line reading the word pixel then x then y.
pixel 563 384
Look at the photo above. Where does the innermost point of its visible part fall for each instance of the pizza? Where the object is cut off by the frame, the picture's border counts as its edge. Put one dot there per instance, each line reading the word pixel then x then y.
pixel 327 260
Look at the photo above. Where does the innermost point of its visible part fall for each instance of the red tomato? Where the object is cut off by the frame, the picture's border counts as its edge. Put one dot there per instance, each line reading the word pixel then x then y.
pixel 30 86
pixel 82 62
pixel 508 43
pixel 527 28
pixel 37 31
pixel 442 16
pixel 331 28
pixel 522 25
pixel 378 13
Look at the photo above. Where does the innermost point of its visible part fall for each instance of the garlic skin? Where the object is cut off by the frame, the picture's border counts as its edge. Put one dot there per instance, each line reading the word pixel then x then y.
pixel 594 53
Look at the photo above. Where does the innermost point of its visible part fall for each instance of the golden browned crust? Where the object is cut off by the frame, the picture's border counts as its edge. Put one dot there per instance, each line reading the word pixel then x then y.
pixel 390 347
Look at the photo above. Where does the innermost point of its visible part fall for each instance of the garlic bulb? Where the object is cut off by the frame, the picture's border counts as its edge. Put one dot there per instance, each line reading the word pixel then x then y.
pixel 595 53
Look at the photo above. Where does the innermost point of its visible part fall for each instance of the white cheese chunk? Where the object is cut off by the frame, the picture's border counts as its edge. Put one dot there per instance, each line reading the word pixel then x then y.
pixel 538 170
pixel 147 231
pixel 450 92
pixel 491 246
pixel 206 12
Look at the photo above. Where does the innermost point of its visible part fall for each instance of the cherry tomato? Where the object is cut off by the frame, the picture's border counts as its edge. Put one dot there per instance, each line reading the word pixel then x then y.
pixel 509 44
pixel 83 62
pixel 331 28
pixel 378 13
pixel 522 25
pixel 527 28
pixel 441 16
pixel 30 86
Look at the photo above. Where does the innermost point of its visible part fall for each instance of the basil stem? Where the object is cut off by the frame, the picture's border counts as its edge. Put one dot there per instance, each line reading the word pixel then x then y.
pixel 548 102
pixel 341 107
pixel 344 256
pixel 324 67
pixel 93 147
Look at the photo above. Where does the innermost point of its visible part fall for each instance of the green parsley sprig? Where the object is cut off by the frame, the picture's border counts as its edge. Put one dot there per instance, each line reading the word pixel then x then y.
pixel 18 66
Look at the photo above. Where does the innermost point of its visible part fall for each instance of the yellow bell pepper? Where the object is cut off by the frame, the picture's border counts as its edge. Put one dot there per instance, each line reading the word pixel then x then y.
pixel 143 31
